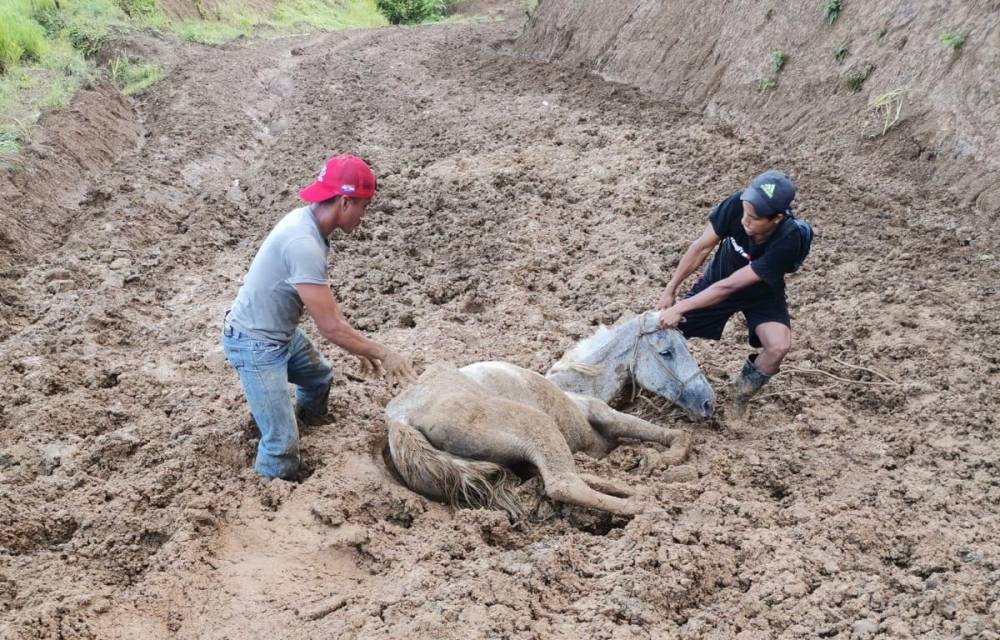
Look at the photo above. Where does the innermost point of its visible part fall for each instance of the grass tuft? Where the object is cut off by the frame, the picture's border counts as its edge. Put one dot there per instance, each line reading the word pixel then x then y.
pixel 856 78
pixel 840 53
pixel 888 107
pixel 413 11
pixel 831 10
pixel 21 38
pixel 131 77
pixel 952 40
pixel 138 8
pixel 778 59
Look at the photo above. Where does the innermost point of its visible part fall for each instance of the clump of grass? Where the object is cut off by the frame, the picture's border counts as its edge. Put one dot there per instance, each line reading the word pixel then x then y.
pixel 138 8
pixel 840 53
pixel 766 84
pixel 13 133
pixel 952 40
pixel 88 23
pixel 831 10
pixel 328 15
pixel 132 77
pixel 210 31
pixel 21 38
pixel 778 59
pixel 413 11
pixel 887 107
pixel 235 21
pixel 48 15
pixel 856 78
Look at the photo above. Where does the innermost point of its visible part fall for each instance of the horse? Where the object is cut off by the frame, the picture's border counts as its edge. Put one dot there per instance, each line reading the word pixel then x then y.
pixel 455 432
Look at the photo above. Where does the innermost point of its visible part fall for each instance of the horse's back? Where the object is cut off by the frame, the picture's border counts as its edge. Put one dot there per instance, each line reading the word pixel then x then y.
pixel 517 384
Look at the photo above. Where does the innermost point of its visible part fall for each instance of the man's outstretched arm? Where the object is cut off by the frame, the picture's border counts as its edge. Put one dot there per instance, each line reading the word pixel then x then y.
pixel 334 327
pixel 712 295
pixel 693 258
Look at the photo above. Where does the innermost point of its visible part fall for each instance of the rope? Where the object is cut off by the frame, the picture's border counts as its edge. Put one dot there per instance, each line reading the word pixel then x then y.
pixel 871 371
pixel 847 380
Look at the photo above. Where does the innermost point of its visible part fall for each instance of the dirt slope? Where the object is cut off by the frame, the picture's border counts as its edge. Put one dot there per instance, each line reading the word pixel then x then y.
pixel 713 57
pixel 521 204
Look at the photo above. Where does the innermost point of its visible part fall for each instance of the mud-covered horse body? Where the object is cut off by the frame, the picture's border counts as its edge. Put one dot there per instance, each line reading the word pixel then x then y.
pixel 454 432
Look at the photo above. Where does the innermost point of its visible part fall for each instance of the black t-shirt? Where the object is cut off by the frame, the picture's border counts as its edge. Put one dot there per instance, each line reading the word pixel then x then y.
pixel 770 260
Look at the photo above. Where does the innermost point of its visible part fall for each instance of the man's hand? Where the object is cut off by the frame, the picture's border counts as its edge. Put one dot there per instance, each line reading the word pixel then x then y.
pixel 667 299
pixel 368 366
pixel 670 317
pixel 398 369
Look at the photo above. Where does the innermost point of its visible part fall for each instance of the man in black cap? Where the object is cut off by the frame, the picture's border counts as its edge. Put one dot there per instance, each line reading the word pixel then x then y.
pixel 761 242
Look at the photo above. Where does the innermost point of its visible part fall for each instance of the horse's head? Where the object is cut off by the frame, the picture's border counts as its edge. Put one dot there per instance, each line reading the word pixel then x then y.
pixel 663 364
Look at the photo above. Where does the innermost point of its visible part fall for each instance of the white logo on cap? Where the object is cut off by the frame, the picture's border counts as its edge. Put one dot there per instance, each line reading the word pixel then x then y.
pixel 322 172
pixel 347 188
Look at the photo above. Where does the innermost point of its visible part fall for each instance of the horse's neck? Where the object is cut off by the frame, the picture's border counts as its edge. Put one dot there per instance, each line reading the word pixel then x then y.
pixel 611 361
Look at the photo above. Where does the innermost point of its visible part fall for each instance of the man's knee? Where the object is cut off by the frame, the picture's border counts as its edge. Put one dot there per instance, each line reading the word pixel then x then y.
pixel 776 340
pixel 779 348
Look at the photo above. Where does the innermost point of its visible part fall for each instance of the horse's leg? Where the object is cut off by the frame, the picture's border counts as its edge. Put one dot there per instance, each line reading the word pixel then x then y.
pixel 505 432
pixel 607 486
pixel 615 424
pixel 546 448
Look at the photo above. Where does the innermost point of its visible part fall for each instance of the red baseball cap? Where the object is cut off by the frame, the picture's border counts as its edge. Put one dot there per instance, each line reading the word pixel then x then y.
pixel 344 175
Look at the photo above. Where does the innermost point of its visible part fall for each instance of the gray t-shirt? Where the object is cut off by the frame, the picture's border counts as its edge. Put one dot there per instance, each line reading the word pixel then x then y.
pixel 268 306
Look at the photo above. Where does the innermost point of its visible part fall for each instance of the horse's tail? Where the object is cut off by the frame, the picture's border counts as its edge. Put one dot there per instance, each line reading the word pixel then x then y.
pixel 438 474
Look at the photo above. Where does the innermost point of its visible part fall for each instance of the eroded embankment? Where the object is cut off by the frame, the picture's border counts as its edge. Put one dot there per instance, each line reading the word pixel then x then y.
pixel 719 59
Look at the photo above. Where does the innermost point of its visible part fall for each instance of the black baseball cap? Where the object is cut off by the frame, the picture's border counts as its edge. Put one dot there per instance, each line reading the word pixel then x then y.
pixel 770 193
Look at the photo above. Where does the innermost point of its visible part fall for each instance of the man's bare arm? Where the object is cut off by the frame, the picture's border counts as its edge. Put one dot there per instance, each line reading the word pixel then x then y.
pixel 694 257
pixel 333 325
pixel 714 294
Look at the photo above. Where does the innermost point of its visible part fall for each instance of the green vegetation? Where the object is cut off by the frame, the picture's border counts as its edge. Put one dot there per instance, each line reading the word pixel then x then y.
pixel 86 23
pixel 831 10
pixel 236 21
pixel 952 40
pixel 857 78
pixel 131 77
pixel 766 84
pixel 413 11
pixel 840 53
pixel 48 47
pixel 22 39
pixel 138 8
pixel 778 59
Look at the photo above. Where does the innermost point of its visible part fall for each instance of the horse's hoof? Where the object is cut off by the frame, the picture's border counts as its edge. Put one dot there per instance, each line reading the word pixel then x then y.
pixel 634 506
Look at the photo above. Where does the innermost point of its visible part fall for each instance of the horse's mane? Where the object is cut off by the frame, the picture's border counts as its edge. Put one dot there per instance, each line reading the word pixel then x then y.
pixel 594 343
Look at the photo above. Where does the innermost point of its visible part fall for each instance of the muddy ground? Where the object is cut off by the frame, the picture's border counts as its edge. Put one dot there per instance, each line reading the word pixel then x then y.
pixel 520 206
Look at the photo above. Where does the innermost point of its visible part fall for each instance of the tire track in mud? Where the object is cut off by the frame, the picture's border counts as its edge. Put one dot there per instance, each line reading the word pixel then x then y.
pixel 519 206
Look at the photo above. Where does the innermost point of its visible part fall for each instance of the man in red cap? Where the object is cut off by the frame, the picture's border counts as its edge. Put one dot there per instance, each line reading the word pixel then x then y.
pixel 261 337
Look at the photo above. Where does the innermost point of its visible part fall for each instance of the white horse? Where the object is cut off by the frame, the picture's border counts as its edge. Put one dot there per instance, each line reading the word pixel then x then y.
pixel 453 433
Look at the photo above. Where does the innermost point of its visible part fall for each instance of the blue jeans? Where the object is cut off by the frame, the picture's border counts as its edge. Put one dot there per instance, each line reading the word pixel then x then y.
pixel 265 368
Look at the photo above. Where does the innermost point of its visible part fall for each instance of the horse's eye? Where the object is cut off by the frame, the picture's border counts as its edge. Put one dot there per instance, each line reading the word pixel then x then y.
pixel 667 353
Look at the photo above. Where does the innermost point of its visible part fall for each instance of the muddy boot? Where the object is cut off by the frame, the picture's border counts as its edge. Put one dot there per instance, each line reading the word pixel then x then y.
pixel 740 391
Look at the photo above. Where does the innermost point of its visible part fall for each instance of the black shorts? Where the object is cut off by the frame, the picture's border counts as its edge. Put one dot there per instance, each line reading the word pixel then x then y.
pixel 710 321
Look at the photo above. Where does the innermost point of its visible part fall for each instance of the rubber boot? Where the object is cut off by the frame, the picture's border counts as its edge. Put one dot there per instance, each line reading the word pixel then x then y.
pixel 748 384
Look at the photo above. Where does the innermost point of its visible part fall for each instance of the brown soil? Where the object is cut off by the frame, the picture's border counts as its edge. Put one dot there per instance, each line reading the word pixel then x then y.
pixel 520 205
